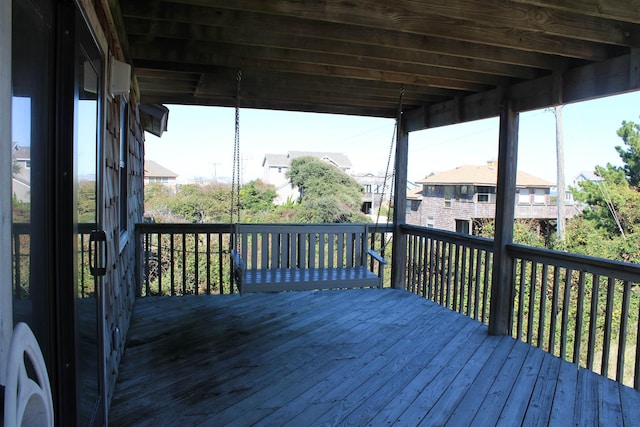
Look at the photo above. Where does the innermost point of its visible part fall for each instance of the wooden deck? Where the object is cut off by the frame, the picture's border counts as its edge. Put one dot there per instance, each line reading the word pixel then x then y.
pixel 347 357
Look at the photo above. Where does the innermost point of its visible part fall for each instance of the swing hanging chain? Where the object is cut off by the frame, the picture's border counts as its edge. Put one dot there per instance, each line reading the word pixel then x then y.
pixel 386 174
pixel 235 179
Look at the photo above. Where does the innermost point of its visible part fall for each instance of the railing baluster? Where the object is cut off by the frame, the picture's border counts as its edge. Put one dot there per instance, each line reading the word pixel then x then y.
pixel 469 281
pixel 577 347
pixel 184 264
pixel 147 254
pixel 476 305
pixel 159 267
pixel 532 300
pixel 196 281
pixel 543 305
pixel 636 365
pixel 488 256
pixel 593 320
pixel 447 272
pixel 607 326
pixel 565 314
pixel 554 309
pixel 424 265
pixel 523 272
pixel 208 257
pixel 626 291
pixel 432 268
pixel 172 264
pixel 455 266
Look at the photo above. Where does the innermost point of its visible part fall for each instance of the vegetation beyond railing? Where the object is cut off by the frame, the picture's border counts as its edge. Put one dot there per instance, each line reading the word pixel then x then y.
pixel 579 308
pixel 451 269
pixel 183 259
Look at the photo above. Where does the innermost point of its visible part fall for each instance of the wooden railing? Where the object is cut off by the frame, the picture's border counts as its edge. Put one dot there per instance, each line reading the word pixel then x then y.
pixel 21 260
pixel 451 269
pixel 184 259
pixel 579 308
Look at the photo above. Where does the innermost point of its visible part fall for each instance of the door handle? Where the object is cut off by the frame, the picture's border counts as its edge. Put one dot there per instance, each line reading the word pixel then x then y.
pixel 97 237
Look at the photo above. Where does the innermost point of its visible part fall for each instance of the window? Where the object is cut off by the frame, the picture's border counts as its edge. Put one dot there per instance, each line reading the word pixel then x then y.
pixel 124 152
pixel 430 222
pixel 483 198
pixel 539 195
pixel 462 226
pixel 523 196
pixel 367 188
pixel 448 193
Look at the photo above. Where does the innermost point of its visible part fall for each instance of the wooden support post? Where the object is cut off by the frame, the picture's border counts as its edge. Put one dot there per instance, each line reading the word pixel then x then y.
pixel 500 314
pixel 6 311
pixel 399 251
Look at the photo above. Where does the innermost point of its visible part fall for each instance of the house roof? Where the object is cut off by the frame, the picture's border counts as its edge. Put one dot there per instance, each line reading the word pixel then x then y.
pixel 153 169
pixel 414 194
pixel 339 160
pixel 276 160
pixel 481 175
pixel 454 60
pixel 21 153
pixel 587 176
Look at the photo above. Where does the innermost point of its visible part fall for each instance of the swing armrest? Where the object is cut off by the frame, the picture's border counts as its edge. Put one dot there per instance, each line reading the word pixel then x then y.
pixel 375 255
pixel 381 263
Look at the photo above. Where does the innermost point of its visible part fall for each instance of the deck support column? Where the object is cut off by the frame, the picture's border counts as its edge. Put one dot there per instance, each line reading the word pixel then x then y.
pixel 399 251
pixel 501 313
pixel 6 311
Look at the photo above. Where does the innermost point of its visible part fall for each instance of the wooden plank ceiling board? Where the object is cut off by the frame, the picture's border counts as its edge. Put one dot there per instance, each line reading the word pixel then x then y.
pixel 455 59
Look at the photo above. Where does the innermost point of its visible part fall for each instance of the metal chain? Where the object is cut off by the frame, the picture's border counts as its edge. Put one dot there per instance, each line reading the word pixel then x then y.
pixel 235 179
pixel 393 172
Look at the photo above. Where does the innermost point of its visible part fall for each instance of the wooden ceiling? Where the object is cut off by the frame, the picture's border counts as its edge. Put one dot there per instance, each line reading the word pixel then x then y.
pixel 456 60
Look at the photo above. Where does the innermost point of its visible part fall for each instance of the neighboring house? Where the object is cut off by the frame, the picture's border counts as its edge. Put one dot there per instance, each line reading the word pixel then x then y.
pixel 154 172
pixel 21 179
pixel 376 191
pixel 276 165
pixel 586 176
pixel 459 198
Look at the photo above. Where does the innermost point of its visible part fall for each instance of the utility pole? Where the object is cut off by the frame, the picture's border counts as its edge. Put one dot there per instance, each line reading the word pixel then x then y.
pixel 560 175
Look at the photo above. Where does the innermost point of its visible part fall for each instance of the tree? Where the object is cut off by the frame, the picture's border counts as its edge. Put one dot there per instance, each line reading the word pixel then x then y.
pixel 610 224
pixel 327 194
pixel 257 196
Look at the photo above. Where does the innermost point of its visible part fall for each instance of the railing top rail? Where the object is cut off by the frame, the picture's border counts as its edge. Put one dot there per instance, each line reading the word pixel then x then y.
pixel 303 227
pixel 450 236
pixel 264 227
pixel 602 266
pixel 183 228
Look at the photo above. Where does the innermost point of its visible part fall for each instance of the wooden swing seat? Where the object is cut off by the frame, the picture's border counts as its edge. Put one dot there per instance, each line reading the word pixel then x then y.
pixel 289 257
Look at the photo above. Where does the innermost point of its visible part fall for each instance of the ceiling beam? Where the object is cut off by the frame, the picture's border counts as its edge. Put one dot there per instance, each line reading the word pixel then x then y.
pixel 402 15
pixel 607 78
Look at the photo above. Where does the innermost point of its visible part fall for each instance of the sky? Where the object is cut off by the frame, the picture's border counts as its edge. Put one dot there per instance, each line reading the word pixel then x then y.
pixel 199 140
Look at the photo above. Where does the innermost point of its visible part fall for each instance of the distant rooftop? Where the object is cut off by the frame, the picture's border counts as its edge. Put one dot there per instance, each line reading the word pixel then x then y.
pixel 481 175
pixel 153 169
pixel 284 160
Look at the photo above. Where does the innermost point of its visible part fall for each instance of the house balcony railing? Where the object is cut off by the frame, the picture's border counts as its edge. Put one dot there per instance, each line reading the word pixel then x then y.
pixel 21 260
pixel 581 309
pixel 193 259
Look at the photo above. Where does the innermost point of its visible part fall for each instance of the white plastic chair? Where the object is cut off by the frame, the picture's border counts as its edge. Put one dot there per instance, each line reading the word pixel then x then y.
pixel 26 402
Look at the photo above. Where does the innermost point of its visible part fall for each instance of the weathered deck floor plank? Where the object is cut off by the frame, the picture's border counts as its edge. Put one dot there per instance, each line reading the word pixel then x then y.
pixel 345 357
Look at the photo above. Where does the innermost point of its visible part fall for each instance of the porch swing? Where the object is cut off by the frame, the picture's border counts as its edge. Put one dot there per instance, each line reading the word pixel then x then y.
pixel 294 257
